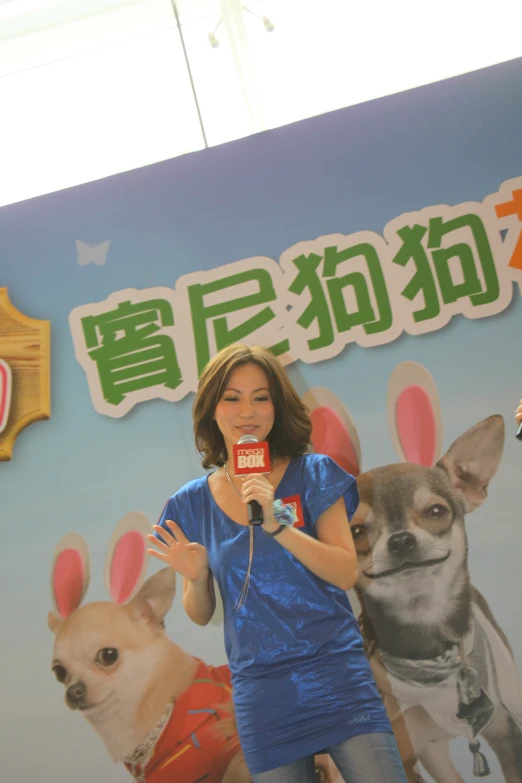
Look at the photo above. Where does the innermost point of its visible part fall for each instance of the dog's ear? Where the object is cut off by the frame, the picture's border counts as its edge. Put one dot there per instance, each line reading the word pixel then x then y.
pixel 127 557
pixel 414 415
pixel 156 596
pixel 70 575
pixel 53 621
pixel 333 430
pixel 472 461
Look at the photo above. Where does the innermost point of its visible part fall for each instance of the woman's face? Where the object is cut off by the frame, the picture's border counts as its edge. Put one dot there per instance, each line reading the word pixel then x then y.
pixel 245 407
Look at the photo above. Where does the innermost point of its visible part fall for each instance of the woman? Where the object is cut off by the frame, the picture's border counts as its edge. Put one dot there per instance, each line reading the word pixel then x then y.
pixel 301 681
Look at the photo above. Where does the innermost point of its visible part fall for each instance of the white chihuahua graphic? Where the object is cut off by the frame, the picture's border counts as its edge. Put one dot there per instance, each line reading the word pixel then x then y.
pixel 164 713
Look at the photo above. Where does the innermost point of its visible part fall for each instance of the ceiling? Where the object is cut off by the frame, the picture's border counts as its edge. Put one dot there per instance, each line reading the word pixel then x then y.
pixel 23 17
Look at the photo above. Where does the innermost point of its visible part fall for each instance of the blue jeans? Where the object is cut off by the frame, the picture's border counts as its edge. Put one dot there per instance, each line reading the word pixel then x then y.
pixel 367 758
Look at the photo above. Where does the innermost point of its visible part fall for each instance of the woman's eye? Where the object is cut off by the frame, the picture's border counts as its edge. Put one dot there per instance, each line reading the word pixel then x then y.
pixel 230 399
pixel 262 399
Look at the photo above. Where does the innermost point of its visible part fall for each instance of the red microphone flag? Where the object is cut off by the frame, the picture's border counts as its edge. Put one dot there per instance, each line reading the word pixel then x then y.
pixel 252 457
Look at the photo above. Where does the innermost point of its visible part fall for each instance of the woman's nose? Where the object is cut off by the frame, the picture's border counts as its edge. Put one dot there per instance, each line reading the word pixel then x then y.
pixel 246 408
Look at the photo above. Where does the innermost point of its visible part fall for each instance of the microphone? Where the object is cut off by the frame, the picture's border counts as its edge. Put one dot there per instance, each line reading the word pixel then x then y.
pixel 251 456
pixel 519 431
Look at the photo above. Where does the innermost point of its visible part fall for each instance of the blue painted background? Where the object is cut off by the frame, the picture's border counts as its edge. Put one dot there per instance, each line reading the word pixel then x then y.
pixel 353 169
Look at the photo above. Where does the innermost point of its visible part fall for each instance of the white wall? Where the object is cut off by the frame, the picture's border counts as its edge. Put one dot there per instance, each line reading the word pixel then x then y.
pixel 89 88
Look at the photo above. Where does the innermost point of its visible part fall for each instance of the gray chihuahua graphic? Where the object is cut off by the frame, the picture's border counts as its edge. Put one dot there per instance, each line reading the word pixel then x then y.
pixel 442 664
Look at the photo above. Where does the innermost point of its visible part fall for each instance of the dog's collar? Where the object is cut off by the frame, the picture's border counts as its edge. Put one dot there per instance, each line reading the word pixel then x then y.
pixel 143 752
pixel 466 664
pixel 430 671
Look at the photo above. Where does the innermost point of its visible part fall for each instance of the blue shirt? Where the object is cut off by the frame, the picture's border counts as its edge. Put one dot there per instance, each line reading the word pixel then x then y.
pixel 301 679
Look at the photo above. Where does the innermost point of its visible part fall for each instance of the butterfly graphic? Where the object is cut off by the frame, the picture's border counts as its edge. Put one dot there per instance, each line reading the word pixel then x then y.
pixel 92 254
pixel 5 393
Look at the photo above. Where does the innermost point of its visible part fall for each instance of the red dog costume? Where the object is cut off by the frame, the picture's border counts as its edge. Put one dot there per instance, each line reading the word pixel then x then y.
pixel 189 748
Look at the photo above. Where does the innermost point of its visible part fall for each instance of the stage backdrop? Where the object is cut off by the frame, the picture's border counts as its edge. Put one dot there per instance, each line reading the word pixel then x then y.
pixel 378 251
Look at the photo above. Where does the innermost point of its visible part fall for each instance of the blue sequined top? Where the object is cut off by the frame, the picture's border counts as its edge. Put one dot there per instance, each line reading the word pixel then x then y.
pixel 301 680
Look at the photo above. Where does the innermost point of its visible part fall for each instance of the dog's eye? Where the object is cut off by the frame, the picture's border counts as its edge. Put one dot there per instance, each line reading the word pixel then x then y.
pixel 60 672
pixel 437 511
pixel 108 656
pixel 358 531
pixel 321 774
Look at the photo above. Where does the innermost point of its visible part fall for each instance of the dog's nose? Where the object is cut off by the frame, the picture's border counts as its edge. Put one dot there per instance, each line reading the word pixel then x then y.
pixel 402 544
pixel 75 694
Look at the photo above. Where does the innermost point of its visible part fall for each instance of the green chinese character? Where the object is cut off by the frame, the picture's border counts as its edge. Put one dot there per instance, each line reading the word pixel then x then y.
pixel 129 352
pixel 471 285
pixel 365 314
pixel 422 280
pixel 317 308
pixel 216 313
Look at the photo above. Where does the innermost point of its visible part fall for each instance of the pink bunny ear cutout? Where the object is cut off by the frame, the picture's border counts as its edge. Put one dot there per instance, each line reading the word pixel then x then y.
pixel 70 574
pixel 127 558
pixel 414 415
pixel 333 430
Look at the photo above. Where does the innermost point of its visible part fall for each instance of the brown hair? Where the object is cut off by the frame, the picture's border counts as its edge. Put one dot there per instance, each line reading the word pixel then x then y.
pixel 290 435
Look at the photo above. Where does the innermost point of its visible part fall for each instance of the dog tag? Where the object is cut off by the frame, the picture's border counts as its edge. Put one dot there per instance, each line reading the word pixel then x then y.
pixel 475 706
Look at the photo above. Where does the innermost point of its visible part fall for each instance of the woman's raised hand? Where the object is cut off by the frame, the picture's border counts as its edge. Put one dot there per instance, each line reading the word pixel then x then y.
pixel 185 557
